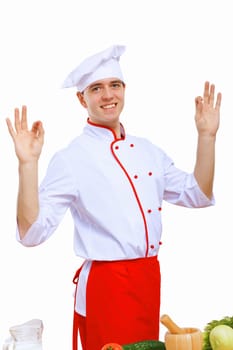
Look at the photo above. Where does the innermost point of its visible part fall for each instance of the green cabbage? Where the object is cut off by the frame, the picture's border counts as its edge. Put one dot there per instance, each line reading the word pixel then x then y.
pixel 221 337
pixel 206 334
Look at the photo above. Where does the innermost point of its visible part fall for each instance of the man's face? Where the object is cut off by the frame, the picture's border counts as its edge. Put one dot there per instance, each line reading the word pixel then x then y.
pixel 104 101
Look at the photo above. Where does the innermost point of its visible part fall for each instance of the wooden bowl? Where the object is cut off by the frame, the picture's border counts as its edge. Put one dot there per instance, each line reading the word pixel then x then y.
pixel 190 340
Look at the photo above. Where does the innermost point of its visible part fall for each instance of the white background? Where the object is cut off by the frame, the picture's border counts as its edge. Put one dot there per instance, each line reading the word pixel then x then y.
pixel 172 48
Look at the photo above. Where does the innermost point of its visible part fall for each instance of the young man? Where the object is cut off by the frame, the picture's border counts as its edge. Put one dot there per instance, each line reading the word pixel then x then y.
pixel 114 185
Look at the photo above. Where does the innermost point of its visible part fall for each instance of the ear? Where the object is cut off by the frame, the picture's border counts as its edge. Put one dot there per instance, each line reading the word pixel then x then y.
pixel 81 99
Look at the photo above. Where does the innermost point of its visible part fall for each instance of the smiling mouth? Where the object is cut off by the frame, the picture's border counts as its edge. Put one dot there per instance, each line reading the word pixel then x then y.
pixel 112 105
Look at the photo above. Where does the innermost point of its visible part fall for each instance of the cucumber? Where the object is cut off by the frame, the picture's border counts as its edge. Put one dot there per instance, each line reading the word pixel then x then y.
pixel 145 345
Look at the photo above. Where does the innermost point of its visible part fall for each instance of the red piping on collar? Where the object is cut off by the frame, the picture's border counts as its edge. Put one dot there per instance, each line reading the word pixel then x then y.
pixel 106 127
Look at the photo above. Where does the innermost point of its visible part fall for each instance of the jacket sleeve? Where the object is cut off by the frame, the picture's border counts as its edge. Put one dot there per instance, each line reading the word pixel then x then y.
pixel 56 193
pixel 181 188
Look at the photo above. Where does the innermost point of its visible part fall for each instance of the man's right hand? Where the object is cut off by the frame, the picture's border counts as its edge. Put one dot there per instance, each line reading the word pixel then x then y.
pixel 28 143
pixel 28 147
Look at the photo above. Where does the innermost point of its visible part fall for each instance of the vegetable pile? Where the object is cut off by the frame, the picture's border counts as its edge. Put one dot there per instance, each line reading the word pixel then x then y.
pixel 141 345
pixel 217 336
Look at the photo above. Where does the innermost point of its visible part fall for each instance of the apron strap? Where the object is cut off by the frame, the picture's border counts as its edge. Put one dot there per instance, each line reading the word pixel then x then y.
pixel 75 317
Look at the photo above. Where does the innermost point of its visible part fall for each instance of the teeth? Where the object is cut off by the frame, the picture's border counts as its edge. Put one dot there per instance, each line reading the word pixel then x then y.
pixel 109 106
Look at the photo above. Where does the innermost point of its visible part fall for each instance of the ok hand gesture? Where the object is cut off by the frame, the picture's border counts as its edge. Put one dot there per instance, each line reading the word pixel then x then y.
pixel 207 115
pixel 28 143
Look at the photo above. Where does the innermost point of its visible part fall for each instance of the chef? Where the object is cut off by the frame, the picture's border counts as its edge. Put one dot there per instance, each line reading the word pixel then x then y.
pixel 114 185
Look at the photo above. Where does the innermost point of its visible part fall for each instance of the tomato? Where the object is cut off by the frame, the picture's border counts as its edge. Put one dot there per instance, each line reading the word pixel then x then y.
pixel 112 346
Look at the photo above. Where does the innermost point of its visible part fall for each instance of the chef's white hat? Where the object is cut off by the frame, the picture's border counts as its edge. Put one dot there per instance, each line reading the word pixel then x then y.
pixel 104 64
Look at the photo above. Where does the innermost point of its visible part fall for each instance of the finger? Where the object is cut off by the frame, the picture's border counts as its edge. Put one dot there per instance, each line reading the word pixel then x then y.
pixel 37 128
pixel 206 92
pixel 218 101
pixel 198 100
pixel 41 132
pixel 17 120
pixel 211 97
pixel 24 123
pixel 198 103
pixel 41 128
pixel 10 128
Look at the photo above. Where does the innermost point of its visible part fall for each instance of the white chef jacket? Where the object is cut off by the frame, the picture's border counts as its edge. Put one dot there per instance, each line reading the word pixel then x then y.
pixel 114 189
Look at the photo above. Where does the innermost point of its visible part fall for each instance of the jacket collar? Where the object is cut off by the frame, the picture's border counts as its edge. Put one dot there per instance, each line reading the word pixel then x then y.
pixel 103 131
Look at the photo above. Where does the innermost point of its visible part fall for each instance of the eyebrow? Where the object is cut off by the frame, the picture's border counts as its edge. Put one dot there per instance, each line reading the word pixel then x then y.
pixel 111 82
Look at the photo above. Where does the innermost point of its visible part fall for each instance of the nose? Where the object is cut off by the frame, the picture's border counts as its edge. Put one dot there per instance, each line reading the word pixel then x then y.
pixel 107 93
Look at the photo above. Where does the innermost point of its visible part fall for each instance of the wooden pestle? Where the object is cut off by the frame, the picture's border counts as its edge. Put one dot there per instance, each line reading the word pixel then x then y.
pixel 171 325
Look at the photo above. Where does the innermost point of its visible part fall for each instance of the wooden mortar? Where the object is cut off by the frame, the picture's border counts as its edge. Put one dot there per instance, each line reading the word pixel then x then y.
pixel 177 338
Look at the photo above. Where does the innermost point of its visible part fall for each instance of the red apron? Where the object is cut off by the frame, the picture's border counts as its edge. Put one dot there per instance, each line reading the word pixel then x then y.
pixel 122 303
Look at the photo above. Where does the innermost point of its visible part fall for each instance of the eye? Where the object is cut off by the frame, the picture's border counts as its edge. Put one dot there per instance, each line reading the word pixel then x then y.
pixel 116 85
pixel 95 88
